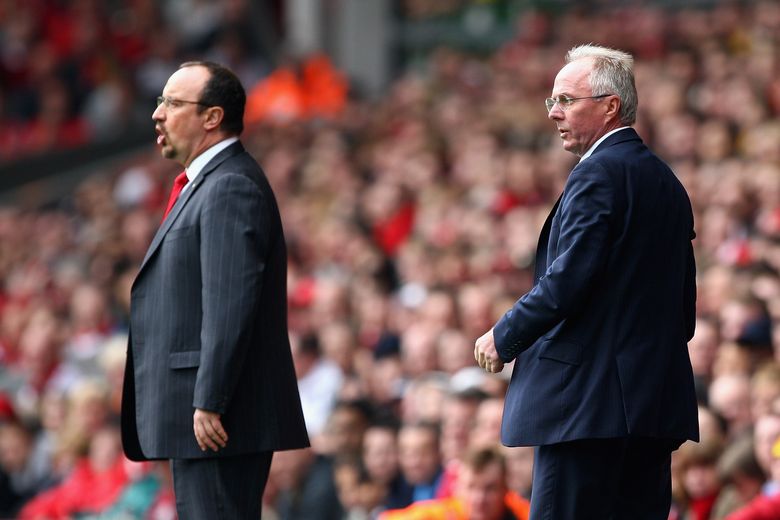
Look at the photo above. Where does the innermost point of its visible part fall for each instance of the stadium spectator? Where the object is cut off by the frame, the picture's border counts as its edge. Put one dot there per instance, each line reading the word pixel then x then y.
pixel 301 485
pixel 741 476
pixel 700 480
pixel 380 456
pixel 764 389
pixel 96 482
pixel 411 218
pixel 729 396
pixel 765 433
pixel 487 423
pixel 361 497
pixel 29 472
pixel 420 459
pixel 519 466
pixel 763 507
pixel 319 381
pixel 481 494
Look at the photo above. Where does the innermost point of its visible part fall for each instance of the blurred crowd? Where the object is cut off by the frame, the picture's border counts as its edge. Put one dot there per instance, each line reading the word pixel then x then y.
pixel 411 224
pixel 81 71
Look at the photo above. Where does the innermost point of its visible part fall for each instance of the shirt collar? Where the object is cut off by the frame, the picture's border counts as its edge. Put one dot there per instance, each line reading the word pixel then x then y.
pixel 601 140
pixel 203 159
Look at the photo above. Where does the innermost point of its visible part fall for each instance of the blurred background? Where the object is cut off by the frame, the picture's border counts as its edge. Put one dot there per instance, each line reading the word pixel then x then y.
pixel 408 145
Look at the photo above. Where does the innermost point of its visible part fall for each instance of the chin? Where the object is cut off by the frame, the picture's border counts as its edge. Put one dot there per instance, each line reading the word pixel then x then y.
pixel 573 148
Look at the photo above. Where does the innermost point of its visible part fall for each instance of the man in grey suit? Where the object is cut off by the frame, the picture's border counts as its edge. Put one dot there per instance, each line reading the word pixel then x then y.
pixel 209 381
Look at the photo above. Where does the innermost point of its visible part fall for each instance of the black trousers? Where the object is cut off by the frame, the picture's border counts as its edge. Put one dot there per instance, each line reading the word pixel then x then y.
pixel 220 488
pixel 603 479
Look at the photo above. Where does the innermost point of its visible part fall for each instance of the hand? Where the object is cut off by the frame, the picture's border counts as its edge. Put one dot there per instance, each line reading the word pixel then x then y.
pixel 208 430
pixel 486 355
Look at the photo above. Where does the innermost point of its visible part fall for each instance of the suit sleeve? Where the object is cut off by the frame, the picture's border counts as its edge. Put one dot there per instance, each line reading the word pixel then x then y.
pixel 234 244
pixel 586 209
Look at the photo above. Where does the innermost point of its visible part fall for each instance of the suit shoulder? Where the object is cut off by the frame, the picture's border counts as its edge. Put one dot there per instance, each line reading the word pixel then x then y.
pixel 241 169
pixel 628 155
pixel 228 179
pixel 240 163
pixel 617 153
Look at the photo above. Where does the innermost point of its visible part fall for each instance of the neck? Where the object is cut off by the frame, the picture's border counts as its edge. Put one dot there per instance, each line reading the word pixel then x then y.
pixel 612 125
pixel 207 142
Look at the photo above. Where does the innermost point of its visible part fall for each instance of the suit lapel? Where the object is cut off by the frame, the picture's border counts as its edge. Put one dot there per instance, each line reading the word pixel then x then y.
pixel 540 262
pixel 542 248
pixel 169 220
pixel 189 191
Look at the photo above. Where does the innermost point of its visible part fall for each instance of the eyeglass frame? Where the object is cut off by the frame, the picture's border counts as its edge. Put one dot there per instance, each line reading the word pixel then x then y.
pixel 170 102
pixel 564 101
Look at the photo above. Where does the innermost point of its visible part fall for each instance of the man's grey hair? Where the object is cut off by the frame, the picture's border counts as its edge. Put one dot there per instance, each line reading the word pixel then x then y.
pixel 613 73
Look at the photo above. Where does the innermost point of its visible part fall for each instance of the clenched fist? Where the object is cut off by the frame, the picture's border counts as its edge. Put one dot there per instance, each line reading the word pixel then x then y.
pixel 486 355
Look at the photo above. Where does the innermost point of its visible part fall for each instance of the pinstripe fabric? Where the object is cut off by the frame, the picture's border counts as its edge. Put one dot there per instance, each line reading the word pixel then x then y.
pixel 224 489
pixel 597 479
pixel 208 324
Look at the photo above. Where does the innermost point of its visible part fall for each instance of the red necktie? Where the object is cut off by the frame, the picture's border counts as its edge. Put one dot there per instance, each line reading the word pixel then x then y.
pixel 178 184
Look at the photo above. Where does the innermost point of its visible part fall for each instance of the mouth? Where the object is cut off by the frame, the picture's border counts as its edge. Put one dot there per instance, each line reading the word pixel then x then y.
pixel 161 139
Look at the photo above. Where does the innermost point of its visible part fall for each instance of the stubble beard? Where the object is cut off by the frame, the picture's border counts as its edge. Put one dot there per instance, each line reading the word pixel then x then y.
pixel 168 152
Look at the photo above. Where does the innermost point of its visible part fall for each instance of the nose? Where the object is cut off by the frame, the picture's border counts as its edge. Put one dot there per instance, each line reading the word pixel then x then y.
pixel 555 113
pixel 159 113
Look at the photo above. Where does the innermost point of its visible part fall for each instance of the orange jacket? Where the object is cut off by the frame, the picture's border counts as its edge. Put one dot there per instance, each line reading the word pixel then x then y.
pixel 452 509
pixel 318 89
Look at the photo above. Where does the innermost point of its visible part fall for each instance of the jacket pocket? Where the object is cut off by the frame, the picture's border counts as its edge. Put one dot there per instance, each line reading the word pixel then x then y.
pixel 179 232
pixel 562 351
pixel 184 359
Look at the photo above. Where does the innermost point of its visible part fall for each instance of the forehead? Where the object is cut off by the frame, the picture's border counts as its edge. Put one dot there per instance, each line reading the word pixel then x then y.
pixel 573 78
pixel 376 435
pixel 187 83
pixel 491 475
pixel 416 435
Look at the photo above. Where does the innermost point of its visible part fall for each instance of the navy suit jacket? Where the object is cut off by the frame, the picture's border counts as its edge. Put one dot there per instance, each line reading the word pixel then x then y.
pixel 208 322
pixel 600 341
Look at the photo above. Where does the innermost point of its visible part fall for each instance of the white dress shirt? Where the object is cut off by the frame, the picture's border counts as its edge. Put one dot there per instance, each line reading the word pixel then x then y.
pixel 590 150
pixel 203 159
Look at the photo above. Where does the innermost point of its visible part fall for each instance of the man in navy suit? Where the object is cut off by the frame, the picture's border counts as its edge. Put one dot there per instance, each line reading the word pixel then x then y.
pixel 602 383
pixel 209 381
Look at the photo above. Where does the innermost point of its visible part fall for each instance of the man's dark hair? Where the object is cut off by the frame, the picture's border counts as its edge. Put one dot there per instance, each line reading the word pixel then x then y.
pixel 479 459
pixel 310 345
pixel 223 89
pixel 360 406
pixel 431 427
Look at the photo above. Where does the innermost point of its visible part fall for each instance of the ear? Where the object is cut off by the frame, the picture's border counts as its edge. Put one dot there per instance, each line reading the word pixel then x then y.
pixel 613 107
pixel 213 117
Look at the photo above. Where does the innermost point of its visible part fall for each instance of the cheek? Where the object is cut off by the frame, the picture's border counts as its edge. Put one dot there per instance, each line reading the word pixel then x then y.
pixel 175 131
pixel 580 124
pixel 577 129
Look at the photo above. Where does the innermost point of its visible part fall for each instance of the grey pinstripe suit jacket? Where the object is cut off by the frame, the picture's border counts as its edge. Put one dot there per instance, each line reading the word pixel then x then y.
pixel 208 325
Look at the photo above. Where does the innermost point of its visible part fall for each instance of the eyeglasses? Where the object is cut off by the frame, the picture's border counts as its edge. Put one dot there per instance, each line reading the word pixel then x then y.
pixel 565 101
pixel 174 103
